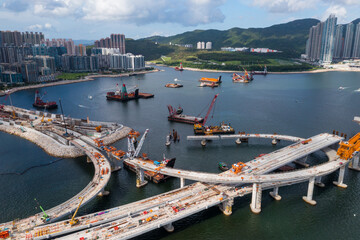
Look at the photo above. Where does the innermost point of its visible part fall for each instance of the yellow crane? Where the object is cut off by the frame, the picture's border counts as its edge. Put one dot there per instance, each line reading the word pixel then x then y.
pixel 346 149
pixel 73 220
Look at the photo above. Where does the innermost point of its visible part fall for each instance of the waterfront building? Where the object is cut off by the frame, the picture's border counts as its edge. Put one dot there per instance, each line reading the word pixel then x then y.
pixel 198 45
pixel 135 62
pixel 327 39
pixel 349 40
pixel 10 77
pixel 80 63
pixel 70 47
pixel 14 54
pixel 29 71
pixel 339 42
pixel 356 48
pixel 45 64
pixel 208 45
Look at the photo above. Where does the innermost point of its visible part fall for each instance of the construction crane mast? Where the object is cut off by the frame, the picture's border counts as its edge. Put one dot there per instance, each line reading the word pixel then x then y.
pixel 74 221
pixel 132 152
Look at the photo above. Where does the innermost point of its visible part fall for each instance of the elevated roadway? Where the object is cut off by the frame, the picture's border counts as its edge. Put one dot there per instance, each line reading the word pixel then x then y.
pixel 95 187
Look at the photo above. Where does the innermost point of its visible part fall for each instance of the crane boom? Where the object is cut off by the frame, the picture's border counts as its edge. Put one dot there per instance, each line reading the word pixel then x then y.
pixel 208 112
pixel 141 143
pixel 73 221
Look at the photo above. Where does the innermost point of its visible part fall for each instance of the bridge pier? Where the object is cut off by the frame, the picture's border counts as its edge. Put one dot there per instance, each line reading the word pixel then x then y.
pixel 355 163
pixel 256 198
pixel 182 182
pixel 114 164
pixel 103 193
pixel 275 194
pixel 203 142
pixel 169 227
pixel 140 181
pixel 226 206
pixel 88 159
pixel 238 141
pixel 339 182
pixel 302 162
pixel 318 182
pixel 274 142
pixel 308 199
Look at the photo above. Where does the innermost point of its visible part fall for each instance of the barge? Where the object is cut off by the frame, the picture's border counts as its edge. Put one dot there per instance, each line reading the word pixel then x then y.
pixel 177 116
pixel 123 96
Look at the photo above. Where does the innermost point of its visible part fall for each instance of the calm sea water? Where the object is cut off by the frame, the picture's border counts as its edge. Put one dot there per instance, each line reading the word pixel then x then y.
pixel 294 104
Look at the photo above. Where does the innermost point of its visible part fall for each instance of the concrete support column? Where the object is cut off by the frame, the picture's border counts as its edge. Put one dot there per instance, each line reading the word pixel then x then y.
pixel 88 159
pixel 140 181
pixel 203 142
pixel 256 198
pixel 103 193
pixel 238 141
pixel 318 182
pixel 226 206
pixel 114 164
pixel 310 192
pixel 275 194
pixel 355 163
pixel 182 182
pixel 339 182
pixel 274 141
pixel 169 227
pixel 302 162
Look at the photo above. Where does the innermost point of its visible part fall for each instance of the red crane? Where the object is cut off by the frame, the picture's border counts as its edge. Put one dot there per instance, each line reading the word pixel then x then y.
pixel 208 112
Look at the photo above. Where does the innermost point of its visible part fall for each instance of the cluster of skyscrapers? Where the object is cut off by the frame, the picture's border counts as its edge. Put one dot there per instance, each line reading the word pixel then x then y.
pixel 330 42
pixel 28 57
pixel 114 41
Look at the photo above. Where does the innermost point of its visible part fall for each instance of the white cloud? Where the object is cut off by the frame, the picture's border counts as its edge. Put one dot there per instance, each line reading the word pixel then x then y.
pixel 39 27
pixel 339 11
pixel 284 5
pixel 185 12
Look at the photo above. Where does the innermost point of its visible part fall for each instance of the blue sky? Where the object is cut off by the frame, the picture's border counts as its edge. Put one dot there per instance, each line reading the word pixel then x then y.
pixel 94 19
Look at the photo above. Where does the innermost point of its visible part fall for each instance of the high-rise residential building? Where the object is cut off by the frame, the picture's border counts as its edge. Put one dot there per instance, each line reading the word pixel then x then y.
pixel 208 45
pixel 114 41
pixel 80 50
pixel 356 48
pixel 314 42
pixel 339 42
pixel 327 39
pixel 349 40
pixel 70 47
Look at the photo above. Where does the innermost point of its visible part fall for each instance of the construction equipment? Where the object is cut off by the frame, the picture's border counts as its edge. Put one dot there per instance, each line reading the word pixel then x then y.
pixel 73 220
pixel 199 125
pixel 45 217
pixel 347 149
pixel 237 167
pixel 98 128
pixel 132 152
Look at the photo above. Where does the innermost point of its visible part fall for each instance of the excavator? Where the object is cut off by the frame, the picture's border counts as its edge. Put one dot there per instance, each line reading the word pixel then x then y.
pixel 73 220
pixel 346 150
pixel 237 167
pixel 45 217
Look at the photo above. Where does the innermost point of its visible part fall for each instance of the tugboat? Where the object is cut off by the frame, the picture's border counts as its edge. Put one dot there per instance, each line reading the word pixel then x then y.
pixel 177 116
pixel 223 166
pixel 179 68
pixel 39 103
pixel 201 129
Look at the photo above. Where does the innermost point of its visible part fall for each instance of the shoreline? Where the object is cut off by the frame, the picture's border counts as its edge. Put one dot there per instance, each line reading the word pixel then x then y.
pixel 296 72
pixel 64 82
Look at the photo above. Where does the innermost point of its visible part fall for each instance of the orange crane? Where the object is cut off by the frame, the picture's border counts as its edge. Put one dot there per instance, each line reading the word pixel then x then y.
pixel 346 149
pixel 200 125
pixel 237 167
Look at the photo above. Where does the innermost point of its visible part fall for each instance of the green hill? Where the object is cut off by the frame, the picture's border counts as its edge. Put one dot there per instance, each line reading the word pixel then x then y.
pixel 288 37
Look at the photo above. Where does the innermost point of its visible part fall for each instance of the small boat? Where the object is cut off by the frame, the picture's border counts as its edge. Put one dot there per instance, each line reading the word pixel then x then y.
pixel 173 85
pixel 223 166
pixel 168 142
pixel 90 97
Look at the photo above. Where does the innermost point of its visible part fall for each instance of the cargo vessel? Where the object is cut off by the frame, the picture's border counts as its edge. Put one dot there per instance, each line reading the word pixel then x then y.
pixel 123 96
pixel 150 175
pixel 260 72
pixel 206 84
pixel 211 80
pixel 39 103
pixel 177 116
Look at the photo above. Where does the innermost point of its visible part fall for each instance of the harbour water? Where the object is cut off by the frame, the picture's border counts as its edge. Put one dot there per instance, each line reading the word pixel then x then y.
pixel 294 104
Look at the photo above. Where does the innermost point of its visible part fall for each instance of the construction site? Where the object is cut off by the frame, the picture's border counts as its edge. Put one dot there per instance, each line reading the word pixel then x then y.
pixel 64 136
